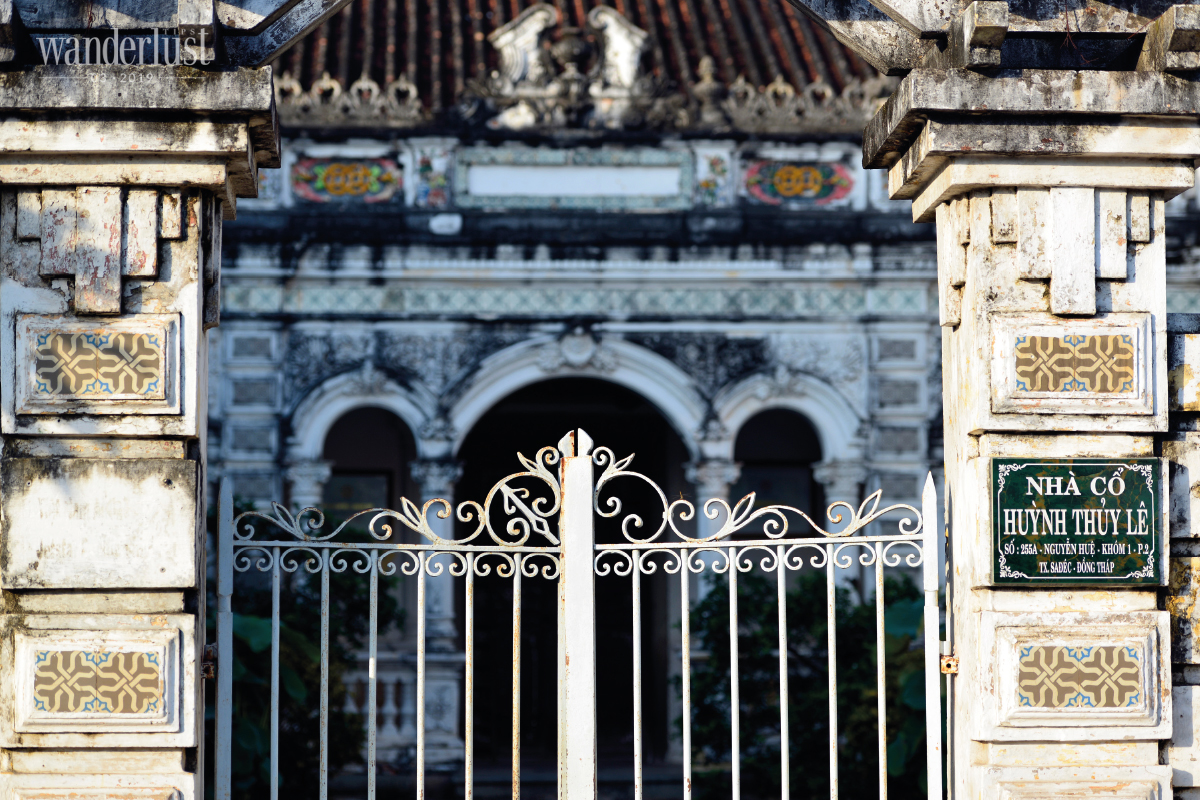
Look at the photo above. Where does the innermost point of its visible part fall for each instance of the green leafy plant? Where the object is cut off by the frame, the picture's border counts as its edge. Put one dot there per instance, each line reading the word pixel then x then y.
pixel 808 698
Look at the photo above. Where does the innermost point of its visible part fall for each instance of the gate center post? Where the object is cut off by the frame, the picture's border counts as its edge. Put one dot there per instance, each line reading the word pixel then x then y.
pixel 1049 204
pixel 577 621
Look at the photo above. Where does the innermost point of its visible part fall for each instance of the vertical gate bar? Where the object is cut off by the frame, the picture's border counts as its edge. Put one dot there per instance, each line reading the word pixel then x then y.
pixel 685 557
pixel 637 674
pixel 831 635
pixel 372 646
pixel 578 537
pixel 516 679
pixel 948 549
pixel 933 636
pixel 469 681
pixel 784 735
pixel 324 778
pixel 422 561
pixel 735 700
pixel 224 728
pixel 881 670
pixel 276 553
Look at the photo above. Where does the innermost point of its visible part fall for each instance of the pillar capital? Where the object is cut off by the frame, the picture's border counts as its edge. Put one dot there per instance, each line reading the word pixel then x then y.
pixel 306 482
pixel 713 476
pixel 436 477
pixel 944 133
pixel 841 479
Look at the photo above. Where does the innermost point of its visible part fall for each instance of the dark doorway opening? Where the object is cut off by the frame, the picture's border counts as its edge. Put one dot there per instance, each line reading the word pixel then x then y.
pixel 777 449
pixel 371 450
pixel 620 419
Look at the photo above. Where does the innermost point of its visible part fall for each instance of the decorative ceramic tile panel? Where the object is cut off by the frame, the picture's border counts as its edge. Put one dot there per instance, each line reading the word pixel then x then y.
pixel 1096 364
pixel 1047 365
pixel 67 365
pixel 1074 676
pixel 97 682
pixel 99 364
pixel 794 185
pixel 1095 677
pixel 324 180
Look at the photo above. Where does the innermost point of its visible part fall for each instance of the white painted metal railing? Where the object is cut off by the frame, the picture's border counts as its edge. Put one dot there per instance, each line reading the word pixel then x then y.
pixel 279 542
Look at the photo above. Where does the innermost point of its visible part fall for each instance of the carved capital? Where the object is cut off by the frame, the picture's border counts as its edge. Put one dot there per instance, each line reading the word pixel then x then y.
pixel 841 479
pixel 436 477
pixel 713 477
pixel 306 482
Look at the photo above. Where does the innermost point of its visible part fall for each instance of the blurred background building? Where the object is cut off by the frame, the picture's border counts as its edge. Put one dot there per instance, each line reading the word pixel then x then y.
pixel 497 221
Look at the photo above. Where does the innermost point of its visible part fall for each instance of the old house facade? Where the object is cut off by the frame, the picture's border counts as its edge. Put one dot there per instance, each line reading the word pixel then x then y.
pixel 493 219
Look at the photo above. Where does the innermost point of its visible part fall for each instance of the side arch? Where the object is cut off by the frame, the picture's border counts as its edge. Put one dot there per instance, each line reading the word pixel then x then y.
pixel 365 388
pixel 838 426
pixel 663 384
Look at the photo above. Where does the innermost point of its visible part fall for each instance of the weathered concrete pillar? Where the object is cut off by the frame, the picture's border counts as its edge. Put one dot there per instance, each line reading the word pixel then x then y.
pixel 1048 199
pixel 115 183
pixel 116 171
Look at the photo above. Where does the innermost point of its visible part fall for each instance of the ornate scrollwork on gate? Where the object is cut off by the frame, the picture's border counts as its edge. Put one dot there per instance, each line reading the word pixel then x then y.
pixel 741 515
pixel 523 511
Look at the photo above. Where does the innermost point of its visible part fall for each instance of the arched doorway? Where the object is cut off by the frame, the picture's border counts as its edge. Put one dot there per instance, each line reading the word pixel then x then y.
pixel 532 417
pixel 369 451
pixel 777 449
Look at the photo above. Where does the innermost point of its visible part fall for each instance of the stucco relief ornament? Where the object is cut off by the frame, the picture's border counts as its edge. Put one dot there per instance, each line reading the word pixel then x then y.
pixel 370 381
pixel 363 102
pixel 841 364
pixel 577 350
pixel 579 77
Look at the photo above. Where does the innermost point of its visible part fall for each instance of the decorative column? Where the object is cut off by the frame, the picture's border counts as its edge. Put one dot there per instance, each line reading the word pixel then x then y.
pixel 443 660
pixel 712 478
pixel 306 483
pixel 842 481
pixel 1048 199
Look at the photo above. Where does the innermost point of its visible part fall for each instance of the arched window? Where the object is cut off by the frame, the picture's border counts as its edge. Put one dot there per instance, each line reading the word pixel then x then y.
pixel 777 449
pixel 370 450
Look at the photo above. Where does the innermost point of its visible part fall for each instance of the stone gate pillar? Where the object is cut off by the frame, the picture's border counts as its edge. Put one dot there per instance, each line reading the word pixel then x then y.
pixel 110 245
pixel 126 136
pixel 1047 189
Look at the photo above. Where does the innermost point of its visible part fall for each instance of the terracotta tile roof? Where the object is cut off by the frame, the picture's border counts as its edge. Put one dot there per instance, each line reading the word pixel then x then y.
pixel 441 46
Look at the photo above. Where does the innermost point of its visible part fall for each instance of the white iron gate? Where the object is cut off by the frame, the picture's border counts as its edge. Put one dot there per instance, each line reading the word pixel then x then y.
pixel 530 547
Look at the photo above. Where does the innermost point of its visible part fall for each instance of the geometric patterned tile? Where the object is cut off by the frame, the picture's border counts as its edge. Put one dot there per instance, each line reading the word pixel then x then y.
pixel 74 681
pixel 1065 677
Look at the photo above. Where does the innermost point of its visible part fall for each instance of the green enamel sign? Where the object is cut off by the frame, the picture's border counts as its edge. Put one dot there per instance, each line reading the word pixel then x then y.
pixel 1076 521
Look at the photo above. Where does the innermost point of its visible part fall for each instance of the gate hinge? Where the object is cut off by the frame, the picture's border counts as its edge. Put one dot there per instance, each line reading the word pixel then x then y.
pixel 949 665
pixel 208 663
